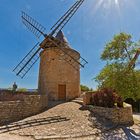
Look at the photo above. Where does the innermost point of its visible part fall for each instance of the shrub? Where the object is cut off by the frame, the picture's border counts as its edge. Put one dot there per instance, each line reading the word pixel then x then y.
pixel 22 90
pixel 84 88
pixel 107 98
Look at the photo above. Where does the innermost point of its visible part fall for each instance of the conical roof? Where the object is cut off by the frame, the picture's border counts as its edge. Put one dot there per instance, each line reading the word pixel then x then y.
pixel 61 37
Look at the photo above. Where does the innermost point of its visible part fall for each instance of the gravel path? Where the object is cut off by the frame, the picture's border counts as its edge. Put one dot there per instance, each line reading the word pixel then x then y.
pixel 63 120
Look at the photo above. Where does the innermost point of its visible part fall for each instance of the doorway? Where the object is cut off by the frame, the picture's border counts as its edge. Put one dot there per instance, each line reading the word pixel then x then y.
pixel 62 92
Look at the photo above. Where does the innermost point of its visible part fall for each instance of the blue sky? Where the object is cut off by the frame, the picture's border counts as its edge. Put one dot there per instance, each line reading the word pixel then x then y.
pixel 88 31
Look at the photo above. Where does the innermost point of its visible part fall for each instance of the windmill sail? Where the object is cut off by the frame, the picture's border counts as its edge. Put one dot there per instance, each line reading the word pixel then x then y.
pixel 67 54
pixel 53 27
pixel 65 18
pixel 70 59
pixel 73 60
pixel 28 61
pixel 36 28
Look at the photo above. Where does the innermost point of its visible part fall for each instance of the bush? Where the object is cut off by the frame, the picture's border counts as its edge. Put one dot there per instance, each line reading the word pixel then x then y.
pixel 22 90
pixel 107 98
pixel 84 88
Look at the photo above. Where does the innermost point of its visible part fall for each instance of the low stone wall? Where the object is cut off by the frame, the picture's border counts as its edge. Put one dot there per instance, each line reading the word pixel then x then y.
pixel 119 116
pixel 87 98
pixel 9 95
pixel 16 110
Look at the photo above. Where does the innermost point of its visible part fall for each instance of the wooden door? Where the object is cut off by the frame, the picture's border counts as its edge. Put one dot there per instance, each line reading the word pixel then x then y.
pixel 62 92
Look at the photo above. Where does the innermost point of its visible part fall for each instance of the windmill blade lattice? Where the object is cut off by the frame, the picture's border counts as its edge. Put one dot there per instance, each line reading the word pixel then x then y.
pixel 65 18
pixel 72 60
pixel 83 61
pixel 36 28
pixel 53 27
pixel 28 61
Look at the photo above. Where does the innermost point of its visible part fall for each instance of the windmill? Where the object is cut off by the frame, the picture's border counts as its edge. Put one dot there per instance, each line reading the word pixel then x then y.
pixel 54 41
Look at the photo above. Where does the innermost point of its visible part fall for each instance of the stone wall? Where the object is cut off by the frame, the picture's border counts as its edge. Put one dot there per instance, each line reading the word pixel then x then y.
pixel 9 95
pixel 119 116
pixel 16 110
pixel 88 98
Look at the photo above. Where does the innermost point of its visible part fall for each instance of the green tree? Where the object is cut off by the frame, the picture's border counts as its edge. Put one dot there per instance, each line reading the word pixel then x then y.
pixel 115 74
pixel 119 49
pixel 22 90
pixel 85 88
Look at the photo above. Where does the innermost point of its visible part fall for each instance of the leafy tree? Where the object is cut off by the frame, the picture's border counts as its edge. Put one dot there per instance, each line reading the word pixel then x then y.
pixel 115 74
pixel 120 49
pixel 22 90
pixel 85 88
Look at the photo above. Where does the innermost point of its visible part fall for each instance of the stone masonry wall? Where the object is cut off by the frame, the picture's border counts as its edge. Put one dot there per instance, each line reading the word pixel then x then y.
pixel 16 110
pixel 116 115
pixel 55 70
pixel 87 98
pixel 119 116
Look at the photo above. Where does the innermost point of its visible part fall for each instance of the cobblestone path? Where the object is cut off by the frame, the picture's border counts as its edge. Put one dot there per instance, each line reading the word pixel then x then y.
pixel 67 120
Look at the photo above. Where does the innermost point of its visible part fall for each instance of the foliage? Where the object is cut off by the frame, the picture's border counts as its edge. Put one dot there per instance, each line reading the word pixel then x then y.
pixel 116 74
pixel 9 88
pixel 22 90
pixel 85 88
pixel 126 84
pixel 107 98
pixel 119 49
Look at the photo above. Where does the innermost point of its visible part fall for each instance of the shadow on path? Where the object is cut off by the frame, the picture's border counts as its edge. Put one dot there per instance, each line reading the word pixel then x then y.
pixel 131 134
pixel 108 130
pixel 52 104
pixel 31 123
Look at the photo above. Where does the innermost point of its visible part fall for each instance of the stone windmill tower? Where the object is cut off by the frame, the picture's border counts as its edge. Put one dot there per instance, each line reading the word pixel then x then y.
pixel 57 77
pixel 59 72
